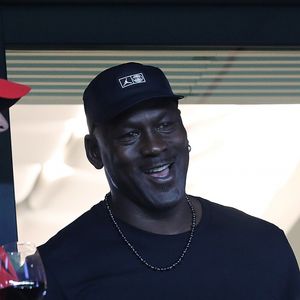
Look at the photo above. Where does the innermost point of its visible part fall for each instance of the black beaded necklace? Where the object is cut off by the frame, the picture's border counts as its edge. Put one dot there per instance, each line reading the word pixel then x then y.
pixel 144 261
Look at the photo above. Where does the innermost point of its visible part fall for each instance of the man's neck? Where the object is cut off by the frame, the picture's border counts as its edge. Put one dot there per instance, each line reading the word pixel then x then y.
pixel 169 221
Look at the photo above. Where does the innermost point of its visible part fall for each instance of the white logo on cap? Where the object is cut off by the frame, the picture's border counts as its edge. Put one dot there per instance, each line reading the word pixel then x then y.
pixel 132 79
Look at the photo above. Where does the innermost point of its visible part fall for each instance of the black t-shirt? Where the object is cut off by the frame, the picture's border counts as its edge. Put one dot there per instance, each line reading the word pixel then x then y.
pixel 232 256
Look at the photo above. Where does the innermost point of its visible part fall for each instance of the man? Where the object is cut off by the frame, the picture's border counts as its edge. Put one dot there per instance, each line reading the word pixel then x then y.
pixel 148 239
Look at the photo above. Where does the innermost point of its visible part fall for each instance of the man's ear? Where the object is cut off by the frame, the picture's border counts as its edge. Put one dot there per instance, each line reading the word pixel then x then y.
pixel 92 151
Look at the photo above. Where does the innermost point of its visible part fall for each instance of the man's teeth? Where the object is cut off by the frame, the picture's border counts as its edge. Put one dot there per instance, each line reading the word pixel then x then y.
pixel 158 169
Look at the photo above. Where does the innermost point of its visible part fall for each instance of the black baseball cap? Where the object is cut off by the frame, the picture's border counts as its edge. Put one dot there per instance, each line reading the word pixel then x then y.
pixel 120 87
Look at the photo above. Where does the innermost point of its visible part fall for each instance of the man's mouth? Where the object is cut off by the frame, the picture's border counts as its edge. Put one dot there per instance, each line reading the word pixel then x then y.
pixel 161 171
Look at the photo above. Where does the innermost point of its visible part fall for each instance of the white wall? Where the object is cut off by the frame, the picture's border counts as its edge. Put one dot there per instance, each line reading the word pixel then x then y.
pixel 246 156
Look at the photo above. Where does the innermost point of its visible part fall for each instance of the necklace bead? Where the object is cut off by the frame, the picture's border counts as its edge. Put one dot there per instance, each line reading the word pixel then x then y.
pixel 144 261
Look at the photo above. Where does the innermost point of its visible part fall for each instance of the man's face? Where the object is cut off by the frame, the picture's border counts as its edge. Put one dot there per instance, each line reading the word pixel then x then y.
pixel 145 154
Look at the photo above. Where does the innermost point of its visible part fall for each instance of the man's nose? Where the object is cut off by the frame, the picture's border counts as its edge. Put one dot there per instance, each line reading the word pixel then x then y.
pixel 153 144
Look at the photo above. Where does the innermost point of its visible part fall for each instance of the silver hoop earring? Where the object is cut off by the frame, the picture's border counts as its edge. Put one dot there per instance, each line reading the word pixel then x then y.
pixel 189 148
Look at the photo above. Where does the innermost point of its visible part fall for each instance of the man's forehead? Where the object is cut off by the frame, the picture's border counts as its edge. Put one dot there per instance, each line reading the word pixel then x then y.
pixel 166 104
pixel 146 106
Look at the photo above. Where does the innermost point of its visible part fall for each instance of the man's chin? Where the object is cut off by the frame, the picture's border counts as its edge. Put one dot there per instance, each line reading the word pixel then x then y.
pixel 163 200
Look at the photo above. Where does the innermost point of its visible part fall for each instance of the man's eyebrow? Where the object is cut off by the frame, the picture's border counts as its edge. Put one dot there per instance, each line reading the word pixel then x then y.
pixel 125 120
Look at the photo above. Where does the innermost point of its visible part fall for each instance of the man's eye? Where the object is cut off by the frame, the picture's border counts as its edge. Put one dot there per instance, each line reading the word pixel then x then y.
pixel 129 136
pixel 166 127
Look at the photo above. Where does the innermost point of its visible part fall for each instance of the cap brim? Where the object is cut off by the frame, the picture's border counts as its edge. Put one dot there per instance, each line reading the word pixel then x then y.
pixel 12 91
pixel 123 108
pixel 138 100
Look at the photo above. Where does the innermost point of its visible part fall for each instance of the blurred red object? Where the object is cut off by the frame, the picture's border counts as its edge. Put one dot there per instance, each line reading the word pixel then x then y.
pixel 7 271
pixel 11 92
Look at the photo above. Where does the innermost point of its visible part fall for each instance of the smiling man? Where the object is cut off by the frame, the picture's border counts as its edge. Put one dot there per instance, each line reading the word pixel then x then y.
pixel 149 144
pixel 149 239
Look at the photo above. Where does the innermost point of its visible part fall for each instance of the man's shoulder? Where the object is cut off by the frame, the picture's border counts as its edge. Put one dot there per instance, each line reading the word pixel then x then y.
pixel 236 221
pixel 82 229
pixel 231 226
